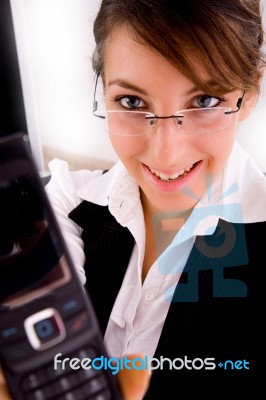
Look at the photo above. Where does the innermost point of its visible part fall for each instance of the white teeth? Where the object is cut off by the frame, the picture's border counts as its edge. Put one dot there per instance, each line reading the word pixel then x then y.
pixel 175 176
pixel 165 177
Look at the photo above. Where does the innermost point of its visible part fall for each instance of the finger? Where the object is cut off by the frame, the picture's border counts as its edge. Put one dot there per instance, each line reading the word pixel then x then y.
pixel 133 382
pixel 4 394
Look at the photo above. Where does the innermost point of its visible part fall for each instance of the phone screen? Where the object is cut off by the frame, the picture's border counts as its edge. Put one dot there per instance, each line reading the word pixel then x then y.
pixel 32 260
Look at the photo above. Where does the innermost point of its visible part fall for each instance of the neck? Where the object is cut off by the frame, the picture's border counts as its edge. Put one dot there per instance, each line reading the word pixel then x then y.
pixel 161 228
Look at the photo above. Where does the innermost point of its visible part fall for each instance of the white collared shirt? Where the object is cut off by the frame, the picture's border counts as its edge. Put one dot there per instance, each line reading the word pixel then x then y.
pixel 136 321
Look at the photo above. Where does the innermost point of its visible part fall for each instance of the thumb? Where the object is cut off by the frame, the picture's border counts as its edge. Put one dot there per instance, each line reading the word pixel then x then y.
pixel 133 382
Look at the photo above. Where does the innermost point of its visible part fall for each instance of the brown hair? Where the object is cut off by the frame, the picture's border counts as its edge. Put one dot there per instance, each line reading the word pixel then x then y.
pixel 226 37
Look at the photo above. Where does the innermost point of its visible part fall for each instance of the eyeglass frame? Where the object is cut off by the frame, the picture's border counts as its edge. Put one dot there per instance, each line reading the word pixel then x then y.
pixel 150 115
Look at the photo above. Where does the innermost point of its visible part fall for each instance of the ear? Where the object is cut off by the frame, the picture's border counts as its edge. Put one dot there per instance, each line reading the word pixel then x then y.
pixel 250 99
pixel 248 103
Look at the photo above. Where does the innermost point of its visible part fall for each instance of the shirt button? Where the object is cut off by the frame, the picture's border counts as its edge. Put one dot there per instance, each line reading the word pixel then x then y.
pixel 150 294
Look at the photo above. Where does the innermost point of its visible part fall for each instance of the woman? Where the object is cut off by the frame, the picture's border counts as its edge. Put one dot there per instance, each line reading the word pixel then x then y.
pixel 168 241
pixel 165 238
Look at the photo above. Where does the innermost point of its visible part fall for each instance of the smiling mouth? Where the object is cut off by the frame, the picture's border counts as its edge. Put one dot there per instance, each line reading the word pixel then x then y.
pixel 174 177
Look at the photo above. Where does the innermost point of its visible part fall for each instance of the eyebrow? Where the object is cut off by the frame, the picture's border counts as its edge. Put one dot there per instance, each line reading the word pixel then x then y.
pixel 127 85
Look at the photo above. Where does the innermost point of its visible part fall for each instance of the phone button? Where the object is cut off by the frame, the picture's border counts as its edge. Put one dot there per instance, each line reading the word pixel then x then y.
pixel 73 395
pixel 95 385
pixel 64 384
pixel 34 380
pixel 44 329
pixel 18 351
pixel 43 393
pixel 106 395
pixel 11 333
pixel 70 305
pixel 47 329
pixel 77 323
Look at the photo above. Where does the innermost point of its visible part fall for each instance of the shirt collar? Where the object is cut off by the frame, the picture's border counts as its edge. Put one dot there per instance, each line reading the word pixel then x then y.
pixel 231 196
pixel 117 189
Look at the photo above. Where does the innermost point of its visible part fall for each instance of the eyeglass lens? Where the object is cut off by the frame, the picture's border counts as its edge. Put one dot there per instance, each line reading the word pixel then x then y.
pixel 131 123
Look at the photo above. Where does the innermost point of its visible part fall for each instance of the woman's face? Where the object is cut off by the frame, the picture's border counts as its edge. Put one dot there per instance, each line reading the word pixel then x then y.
pixel 166 161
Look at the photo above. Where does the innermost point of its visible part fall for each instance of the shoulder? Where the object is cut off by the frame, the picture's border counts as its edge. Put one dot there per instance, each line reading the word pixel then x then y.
pixel 64 183
pixel 60 172
pixel 245 183
pixel 71 187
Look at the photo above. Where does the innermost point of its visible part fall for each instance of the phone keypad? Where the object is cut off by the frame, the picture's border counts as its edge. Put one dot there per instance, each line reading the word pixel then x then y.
pixel 67 384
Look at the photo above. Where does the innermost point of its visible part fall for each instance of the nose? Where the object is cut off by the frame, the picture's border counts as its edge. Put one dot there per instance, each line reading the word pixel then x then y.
pixel 166 141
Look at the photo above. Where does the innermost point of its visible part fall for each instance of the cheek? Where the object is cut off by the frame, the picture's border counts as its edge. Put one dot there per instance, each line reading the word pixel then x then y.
pixel 221 142
pixel 127 147
pixel 218 147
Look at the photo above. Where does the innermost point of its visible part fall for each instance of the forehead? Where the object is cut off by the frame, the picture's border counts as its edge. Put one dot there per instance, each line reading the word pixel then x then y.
pixel 123 49
pixel 125 56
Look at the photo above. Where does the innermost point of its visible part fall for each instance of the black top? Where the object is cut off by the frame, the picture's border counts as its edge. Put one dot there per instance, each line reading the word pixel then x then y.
pixel 215 318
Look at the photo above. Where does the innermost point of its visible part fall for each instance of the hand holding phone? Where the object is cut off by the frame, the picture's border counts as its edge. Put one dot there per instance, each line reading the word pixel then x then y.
pixel 49 334
pixel 134 383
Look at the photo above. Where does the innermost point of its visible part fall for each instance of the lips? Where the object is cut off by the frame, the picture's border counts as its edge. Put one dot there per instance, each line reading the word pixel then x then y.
pixel 173 177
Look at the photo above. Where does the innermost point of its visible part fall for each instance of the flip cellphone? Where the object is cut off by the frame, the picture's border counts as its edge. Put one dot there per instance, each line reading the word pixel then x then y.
pixel 51 346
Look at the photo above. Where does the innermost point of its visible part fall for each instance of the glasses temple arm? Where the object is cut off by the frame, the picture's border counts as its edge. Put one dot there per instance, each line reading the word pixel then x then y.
pixel 238 105
pixel 95 102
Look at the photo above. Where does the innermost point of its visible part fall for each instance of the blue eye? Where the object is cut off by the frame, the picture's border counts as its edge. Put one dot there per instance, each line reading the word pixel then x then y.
pixel 206 101
pixel 131 102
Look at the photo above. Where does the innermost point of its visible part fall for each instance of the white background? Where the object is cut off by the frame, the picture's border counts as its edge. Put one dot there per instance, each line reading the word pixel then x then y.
pixel 55 44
